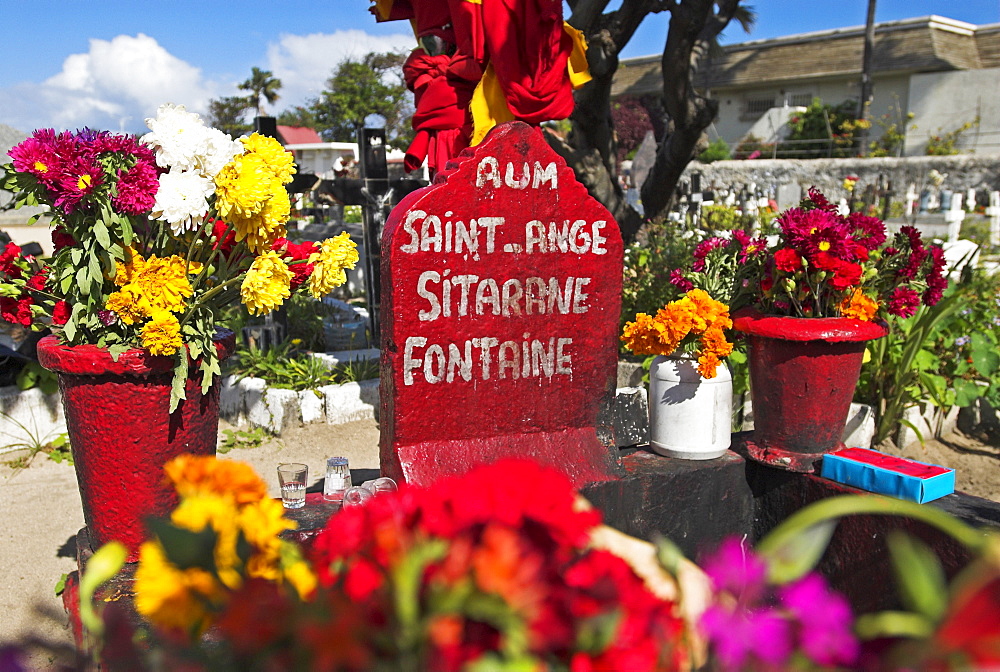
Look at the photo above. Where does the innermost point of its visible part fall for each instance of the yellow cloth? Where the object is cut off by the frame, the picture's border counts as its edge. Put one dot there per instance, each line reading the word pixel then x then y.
pixel 489 106
pixel 384 7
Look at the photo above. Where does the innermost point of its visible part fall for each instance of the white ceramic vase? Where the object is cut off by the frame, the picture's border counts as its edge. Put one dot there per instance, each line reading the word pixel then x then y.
pixel 690 417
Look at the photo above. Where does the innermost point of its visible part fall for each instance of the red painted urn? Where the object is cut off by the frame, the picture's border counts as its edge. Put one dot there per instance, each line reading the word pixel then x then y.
pixel 803 372
pixel 122 433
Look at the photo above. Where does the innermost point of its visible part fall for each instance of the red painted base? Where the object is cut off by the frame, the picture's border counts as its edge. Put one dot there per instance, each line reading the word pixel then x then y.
pixel 789 460
pixel 122 434
pixel 575 452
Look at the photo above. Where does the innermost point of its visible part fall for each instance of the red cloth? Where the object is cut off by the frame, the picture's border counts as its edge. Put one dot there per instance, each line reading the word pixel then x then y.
pixel 440 104
pixel 528 49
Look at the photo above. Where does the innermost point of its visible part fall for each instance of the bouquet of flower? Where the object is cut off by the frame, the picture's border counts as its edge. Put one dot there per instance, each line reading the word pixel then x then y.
pixel 694 323
pixel 823 264
pixel 154 236
pixel 496 569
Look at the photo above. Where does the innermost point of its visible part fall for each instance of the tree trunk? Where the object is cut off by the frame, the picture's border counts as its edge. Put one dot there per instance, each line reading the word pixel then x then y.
pixel 866 76
pixel 693 28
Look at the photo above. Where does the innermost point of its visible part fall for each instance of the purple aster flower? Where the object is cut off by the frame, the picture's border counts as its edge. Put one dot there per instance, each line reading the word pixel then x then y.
pixel 825 620
pixel 868 231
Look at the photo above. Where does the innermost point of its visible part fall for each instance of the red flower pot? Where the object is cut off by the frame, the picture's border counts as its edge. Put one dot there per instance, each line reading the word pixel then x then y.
pixel 122 433
pixel 803 372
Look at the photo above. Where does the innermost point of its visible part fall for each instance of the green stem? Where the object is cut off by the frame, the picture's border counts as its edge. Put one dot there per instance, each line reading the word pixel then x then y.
pixel 218 289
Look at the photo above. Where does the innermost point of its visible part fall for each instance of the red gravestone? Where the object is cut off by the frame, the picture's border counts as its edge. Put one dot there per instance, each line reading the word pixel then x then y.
pixel 501 294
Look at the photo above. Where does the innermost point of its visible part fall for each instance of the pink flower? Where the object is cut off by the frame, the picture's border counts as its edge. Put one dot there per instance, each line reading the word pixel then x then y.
pixel 137 189
pixel 703 249
pixel 936 279
pixel 79 179
pixel 43 154
pixel 824 621
pixel 677 279
pixel 868 231
pixel 903 302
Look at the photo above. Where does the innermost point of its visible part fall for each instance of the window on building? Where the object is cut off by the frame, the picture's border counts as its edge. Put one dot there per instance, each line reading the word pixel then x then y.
pixel 800 100
pixel 756 106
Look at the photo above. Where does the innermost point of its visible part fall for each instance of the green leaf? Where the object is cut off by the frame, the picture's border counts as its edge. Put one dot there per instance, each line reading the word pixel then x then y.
pixel 967 391
pixel 893 624
pixel 177 382
pixel 83 280
pixel 926 360
pixel 61 584
pixel 185 548
pixel 985 357
pixel 921 581
pixel 101 235
pixel 799 553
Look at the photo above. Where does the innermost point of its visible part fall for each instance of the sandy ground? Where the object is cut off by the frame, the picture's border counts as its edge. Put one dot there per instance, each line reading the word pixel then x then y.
pixel 41 511
pixel 40 514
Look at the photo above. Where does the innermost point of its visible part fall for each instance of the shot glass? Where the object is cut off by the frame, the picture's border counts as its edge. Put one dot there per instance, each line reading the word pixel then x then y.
pixel 384 484
pixel 356 496
pixel 338 479
pixel 293 478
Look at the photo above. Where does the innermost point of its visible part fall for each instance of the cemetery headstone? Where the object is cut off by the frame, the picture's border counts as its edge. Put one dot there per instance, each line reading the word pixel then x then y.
pixel 500 307
pixel 789 195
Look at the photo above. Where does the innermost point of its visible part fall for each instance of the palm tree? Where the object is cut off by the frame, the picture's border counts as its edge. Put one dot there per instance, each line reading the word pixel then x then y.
pixel 262 84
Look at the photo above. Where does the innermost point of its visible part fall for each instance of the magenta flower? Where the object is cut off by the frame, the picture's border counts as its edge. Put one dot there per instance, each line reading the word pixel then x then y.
pixel 137 188
pixel 917 253
pixel 742 636
pixel 703 249
pixel 820 201
pixel 936 279
pixel 824 619
pixel 42 154
pixel 79 179
pixel 868 231
pixel 736 569
pixel 903 302
pixel 677 279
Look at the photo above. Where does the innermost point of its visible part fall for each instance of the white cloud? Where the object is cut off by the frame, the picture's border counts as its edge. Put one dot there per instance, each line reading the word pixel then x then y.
pixel 303 63
pixel 115 85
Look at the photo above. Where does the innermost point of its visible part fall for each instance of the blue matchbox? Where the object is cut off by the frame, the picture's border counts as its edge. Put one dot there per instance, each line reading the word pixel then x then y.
pixel 888 475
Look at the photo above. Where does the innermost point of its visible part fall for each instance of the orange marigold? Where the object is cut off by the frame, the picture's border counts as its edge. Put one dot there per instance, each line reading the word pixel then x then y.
pixel 859 306
pixel 193 474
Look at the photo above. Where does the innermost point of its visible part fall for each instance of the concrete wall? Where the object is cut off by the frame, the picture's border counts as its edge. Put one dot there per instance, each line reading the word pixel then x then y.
pixel 942 101
pixel 964 171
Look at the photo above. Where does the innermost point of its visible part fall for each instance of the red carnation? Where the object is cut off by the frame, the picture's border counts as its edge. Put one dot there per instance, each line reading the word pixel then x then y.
pixel 61 313
pixel 10 254
pixel 17 311
pixel 788 260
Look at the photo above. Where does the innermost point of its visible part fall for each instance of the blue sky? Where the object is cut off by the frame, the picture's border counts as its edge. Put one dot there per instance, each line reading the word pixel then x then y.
pixel 109 63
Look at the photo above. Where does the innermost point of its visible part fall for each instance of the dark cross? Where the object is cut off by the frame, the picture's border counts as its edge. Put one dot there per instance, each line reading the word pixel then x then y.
pixel 375 210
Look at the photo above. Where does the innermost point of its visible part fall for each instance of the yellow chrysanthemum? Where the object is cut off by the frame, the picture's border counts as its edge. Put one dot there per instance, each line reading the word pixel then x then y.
pixel 162 334
pixel 195 475
pixel 334 255
pixel 267 284
pixel 264 227
pixel 128 305
pixel 243 186
pixel 859 306
pixel 278 159
pixel 261 523
pixel 170 597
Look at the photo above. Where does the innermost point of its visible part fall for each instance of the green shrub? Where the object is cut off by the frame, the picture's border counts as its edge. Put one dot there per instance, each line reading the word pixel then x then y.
pixel 717 150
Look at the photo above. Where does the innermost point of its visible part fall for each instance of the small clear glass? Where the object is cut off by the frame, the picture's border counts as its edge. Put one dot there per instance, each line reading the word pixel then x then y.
pixel 384 484
pixel 293 479
pixel 338 479
pixel 356 496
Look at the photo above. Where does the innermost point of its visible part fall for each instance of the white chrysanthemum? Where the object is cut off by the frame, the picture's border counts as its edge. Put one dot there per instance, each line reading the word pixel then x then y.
pixel 219 150
pixel 178 136
pixel 182 199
